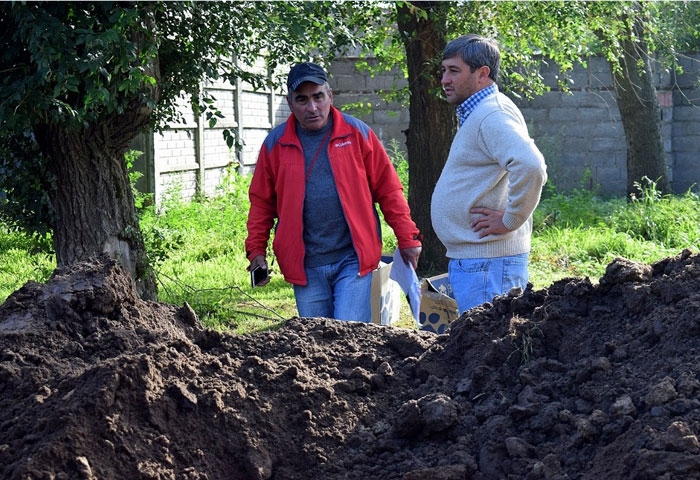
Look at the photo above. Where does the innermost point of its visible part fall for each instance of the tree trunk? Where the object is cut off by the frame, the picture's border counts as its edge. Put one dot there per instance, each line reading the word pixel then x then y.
pixel 92 197
pixel 433 121
pixel 641 115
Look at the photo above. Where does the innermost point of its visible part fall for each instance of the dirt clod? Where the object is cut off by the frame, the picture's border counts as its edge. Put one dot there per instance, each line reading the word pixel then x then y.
pixel 581 380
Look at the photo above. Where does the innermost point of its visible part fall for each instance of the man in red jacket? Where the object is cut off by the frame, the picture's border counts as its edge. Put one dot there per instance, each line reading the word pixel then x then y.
pixel 317 180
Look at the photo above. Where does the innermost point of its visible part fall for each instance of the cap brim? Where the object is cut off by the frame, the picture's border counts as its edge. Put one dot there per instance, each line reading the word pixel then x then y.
pixel 314 79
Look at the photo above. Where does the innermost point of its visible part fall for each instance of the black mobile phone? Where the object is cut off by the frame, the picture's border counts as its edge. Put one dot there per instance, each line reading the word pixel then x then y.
pixel 257 275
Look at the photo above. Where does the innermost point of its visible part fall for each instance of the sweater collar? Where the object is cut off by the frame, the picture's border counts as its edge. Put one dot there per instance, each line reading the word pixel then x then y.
pixel 467 107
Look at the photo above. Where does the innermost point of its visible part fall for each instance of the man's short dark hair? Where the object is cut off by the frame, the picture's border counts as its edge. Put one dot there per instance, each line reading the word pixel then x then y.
pixel 476 51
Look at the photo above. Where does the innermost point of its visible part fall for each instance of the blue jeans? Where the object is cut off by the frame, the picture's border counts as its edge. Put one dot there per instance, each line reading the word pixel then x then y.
pixel 478 280
pixel 336 291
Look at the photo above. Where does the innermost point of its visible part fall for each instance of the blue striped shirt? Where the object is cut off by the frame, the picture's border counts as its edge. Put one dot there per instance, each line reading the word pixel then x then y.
pixel 468 106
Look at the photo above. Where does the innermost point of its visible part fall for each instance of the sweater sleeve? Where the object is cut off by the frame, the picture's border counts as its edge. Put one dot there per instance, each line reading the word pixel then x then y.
pixel 504 137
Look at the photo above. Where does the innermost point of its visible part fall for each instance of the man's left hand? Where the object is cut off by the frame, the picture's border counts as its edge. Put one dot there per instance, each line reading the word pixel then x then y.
pixel 489 222
pixel 410 255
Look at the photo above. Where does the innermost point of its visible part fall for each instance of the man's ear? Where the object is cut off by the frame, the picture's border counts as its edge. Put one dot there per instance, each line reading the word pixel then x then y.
pixel 484 72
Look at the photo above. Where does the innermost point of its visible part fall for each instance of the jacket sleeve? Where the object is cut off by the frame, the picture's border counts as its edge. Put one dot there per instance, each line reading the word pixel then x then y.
pixel 263 207
pixel 387 191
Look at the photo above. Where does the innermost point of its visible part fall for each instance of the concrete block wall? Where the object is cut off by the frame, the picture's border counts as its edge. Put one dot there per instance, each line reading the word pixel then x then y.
pixel 685 132
pixel 582 137
pixel 579 132
pixel 350 87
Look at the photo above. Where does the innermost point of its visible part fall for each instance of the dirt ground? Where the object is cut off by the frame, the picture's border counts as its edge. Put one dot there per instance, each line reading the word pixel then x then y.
pixel 582 380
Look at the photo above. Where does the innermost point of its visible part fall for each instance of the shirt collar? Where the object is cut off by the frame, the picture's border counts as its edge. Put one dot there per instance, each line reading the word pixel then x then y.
pixel 468 106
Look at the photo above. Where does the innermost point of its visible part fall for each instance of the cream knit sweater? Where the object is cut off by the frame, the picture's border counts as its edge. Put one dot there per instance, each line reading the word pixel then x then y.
pixel 493 163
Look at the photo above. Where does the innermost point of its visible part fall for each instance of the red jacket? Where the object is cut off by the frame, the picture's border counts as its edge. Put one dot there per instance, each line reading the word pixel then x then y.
pixel 364 175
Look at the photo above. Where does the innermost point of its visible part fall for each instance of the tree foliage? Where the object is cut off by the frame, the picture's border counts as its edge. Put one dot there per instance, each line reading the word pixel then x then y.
pixel 563 32
pixel 637 38
pixel 530 33
pixel 75 64
pixel 81 79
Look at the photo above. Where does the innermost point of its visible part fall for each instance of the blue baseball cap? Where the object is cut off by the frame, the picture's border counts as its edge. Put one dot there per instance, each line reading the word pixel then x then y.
pixel 305 72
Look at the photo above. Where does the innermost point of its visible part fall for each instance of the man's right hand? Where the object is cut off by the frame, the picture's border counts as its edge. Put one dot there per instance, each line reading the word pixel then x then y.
pixel 260 261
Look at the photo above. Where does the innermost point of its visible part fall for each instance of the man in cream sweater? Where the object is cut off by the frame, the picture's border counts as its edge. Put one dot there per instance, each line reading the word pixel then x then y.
pixel 483 202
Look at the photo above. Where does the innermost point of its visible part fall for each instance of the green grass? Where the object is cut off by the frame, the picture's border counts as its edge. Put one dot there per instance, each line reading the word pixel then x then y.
pixel 197 249
pixel 579 234
pixel 22 258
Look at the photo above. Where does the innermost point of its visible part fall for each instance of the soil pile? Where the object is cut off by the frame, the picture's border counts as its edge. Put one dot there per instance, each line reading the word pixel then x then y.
pixel 576 381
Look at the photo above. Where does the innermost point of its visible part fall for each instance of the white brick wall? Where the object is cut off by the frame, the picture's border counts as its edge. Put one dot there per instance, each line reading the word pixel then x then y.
pixel 174 163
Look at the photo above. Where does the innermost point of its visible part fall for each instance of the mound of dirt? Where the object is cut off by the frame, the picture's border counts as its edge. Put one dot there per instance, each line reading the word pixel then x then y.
pixel 576 381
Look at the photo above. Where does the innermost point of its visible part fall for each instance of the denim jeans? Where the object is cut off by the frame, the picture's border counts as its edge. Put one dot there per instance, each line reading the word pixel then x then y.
pixel 478 280
pixel 336 291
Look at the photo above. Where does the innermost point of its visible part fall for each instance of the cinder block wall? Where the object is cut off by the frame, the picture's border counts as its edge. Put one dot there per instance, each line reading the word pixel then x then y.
pixel 350 87
pixel 579 132
pixel 684 120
